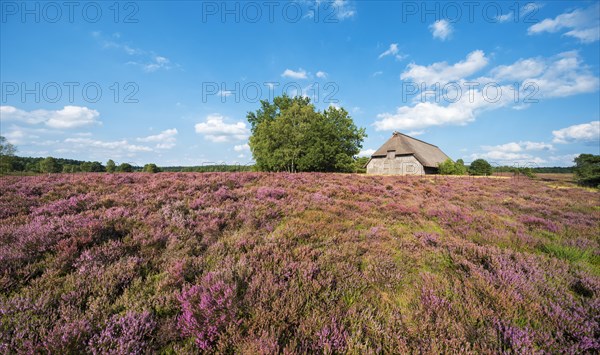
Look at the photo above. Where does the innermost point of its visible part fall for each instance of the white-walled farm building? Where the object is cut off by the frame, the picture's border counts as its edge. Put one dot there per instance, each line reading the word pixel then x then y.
pixel 404 155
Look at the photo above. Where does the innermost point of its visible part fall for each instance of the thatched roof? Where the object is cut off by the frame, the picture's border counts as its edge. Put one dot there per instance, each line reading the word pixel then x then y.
pixel 427 154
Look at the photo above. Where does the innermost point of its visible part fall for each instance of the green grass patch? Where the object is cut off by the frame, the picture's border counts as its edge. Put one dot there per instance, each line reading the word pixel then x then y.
pixel 571 254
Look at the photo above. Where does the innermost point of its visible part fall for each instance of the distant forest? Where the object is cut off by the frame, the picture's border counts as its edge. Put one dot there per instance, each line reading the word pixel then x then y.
pixel 18 164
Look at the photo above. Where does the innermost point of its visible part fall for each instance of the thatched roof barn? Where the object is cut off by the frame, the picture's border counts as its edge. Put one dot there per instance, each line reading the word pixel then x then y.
pixel 404 155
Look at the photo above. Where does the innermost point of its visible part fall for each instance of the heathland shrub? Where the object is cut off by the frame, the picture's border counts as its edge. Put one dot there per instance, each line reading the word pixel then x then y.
pixel 296 263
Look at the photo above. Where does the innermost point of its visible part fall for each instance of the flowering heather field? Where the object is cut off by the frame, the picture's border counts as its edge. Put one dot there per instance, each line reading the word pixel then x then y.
pixel 296 263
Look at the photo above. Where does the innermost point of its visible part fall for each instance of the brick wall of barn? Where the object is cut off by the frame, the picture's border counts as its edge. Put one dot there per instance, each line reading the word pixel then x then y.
pixel 399 165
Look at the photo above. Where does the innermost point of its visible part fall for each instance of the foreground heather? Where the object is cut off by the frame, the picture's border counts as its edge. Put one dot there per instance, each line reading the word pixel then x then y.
pixel 264 263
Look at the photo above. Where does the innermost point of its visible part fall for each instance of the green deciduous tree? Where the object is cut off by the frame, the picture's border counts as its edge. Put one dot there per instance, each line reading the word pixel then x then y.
pixel 111 166
pixel 92 167
pixel 7 150
pixel 291 135
pixel 50 165
pixel 449 167
pixel 460 168
pixel 151 168
pixel 587 170
pixel 125 168
pixel 480 167
pixel 360 164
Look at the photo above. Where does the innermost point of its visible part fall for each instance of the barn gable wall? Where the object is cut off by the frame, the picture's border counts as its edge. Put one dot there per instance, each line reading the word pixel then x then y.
pixel 399 165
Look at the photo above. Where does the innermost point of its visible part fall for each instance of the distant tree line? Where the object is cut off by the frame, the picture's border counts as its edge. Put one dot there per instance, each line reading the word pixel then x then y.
pixel 538 170
pixel 209 168
pixel 480 167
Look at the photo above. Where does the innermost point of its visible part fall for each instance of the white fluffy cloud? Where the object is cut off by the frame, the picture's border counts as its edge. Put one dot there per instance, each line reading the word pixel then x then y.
pixel 514 153
pixel 514 147
pixel 366 152
pixel 428 114
pixel 109 146
pixel 300 74
pixel 505 18
pixel 156 62
pixel 586 132
pixel 508 158
pixel 216 129
pixel 582 24
pixel 65 118
pixel 415 133
pixel 442 72
pixel 520 70
pixel 241 147
pixel 343 9
pixel 321 75
pixel 559 76
pixel 564 75
pixel 441 29
pixel 164 140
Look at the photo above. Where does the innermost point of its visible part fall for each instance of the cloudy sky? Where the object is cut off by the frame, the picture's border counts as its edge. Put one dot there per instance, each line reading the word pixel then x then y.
pixel 171 82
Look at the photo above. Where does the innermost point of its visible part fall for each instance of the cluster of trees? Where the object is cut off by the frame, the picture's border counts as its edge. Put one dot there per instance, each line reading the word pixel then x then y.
pixel 450 167
pixel 291 135
pixel 587 170
pixel 478 167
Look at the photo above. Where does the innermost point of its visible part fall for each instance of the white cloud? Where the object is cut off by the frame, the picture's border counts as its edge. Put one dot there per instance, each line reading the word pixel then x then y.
pixel 581 24
pixel 225 93
pixel 415 133
pixel 559 76
pixel 519 70
pixel 110 146
pixel 536 146
pixel 153 64
pixel 441 72
pixel 563 160
pixel 564 75
pixel 425 114
pixel 392 50
pixel 164 140
pixel 507 158
pixel 321 74
pixel 514 153
pixel 586 132
pixel 148 61
pixel 241 147
pixel 428 114
pixel 366 152
pixel 216 129
pixel 377 73
pixel 300 74
pixel 514 147
pixel 505 17
pixel 65 118
pixel 15 135
pixel 441 29
pixel 343 9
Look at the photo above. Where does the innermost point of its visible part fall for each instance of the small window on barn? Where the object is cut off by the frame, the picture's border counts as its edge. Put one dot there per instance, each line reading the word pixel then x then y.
pixel 391 154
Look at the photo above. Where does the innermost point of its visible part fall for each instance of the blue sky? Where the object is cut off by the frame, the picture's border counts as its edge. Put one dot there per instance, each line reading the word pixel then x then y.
pixel 513 82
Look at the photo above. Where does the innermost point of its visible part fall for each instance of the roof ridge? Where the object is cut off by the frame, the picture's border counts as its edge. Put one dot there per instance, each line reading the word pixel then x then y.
pixel 405 135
